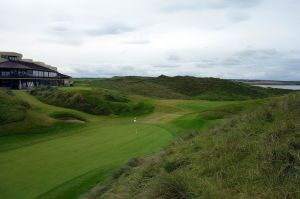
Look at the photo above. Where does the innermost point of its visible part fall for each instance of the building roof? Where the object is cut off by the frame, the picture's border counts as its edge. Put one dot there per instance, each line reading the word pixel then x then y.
pixel 13 65
pixel 24 65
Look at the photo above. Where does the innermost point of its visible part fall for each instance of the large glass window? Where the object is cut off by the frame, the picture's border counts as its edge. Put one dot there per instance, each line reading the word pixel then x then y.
pixel 52 74
pixel 5 73
pixel 29 73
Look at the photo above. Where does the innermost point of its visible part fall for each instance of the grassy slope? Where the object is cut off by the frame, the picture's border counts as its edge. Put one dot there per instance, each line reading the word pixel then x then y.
pixel 64 160
pixel 93 101
pixel 183 87
pixel 255 155
pixel 11 108
pixel 35 118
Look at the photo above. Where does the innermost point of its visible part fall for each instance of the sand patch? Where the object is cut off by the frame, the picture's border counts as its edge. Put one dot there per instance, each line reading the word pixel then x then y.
pixel 71 119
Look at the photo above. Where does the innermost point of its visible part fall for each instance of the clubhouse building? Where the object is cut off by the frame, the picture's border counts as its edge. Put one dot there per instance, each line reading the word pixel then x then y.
pixel 18 73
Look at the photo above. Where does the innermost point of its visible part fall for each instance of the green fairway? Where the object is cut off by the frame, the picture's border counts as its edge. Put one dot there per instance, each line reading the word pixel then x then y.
pixel 40 167
pixel 67 159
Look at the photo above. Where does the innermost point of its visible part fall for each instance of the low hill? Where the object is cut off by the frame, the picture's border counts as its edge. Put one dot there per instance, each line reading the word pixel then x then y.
pixel 183 87
pixel 11 108
pixel 255 155
pixel 19 114
pixel 93 101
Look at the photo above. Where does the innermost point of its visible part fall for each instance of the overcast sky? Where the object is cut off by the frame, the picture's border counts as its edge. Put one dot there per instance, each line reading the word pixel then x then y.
pixel 256 39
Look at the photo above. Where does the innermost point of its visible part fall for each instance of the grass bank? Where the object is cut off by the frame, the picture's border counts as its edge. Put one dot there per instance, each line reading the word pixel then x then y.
pixel 254 155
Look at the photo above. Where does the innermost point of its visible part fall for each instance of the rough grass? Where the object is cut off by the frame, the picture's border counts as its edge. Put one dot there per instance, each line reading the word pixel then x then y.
pixel 255 155
pixel 183 87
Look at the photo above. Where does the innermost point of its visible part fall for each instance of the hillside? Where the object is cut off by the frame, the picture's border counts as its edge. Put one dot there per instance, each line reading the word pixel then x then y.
pixel 11 108
pixel 17 116
pixel 183 87
pixel 255 155
pixel 20 117
pixel 93 101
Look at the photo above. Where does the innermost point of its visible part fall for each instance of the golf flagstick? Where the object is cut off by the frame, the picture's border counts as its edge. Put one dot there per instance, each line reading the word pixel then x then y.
pixel 134 121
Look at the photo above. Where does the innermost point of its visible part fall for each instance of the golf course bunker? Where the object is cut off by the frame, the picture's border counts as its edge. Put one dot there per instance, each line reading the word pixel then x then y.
pixel 71 119
pixel 68 117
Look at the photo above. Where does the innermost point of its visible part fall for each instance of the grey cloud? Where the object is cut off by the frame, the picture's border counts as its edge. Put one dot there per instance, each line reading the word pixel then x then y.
pixel 229 61
pixel 165 65
pixel 257 63
pixel 238 17
pixel 63 33
pixel 259 54
pixel 111 29
pixel 106 70
pixel 254 57
pixel 63 40
pixel 180 5
pixel 59 28
pixel 291 64
pixel 136 41
pixel 68 33
pixel 173 57
pixel 235 3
